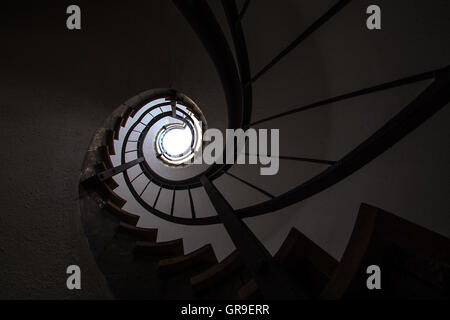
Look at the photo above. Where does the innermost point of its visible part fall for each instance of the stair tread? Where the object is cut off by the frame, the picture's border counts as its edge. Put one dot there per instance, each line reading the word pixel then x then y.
pixel 109 141
pixel 125 116
pixel 109 195
pixel 157 243
pixel 104 156
pixel 297 247
pixel 111 182
pixel 117 125
pixel 382 238
pixel 249 291
pixel 204 256
pixel 123 215
pixel 171 247
pixel 148 234
pixel 309 265
pixel 218 272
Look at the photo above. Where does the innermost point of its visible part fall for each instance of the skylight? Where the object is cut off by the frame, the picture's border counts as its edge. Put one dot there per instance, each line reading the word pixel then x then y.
pixel 177 141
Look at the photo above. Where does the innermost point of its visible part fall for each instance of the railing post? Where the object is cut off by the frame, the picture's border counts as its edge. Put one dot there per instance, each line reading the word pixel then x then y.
pixel 271 279
pixel 107 174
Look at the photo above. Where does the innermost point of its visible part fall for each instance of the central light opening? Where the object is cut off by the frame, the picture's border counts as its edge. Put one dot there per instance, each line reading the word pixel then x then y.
pixel 177 141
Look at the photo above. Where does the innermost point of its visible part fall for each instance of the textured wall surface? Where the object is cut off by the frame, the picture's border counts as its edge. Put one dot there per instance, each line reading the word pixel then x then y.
pixel 57 87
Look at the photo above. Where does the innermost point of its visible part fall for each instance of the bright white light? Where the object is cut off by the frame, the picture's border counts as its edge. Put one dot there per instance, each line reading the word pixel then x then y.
pixel 177 141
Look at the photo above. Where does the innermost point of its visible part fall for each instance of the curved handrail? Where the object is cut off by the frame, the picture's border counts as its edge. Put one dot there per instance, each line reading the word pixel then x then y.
pixel 240 46
pixel 430 101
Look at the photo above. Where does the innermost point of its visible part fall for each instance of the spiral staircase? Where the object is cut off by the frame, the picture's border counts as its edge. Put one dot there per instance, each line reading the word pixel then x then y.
pixel 137 264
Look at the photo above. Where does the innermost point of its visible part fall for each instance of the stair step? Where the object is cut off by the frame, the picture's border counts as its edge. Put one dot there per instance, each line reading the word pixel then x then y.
pixel 297 248
pixel 111 183
pixel 109 195
pixel 144 234
pixel 202 256
pixel 109 140
pixel 104 156
pixel 117 125
pixel 401 248
pixel 123 215
pixel 249 291
pixel 309 265
pixel 125 116
pixel 217 273
pixel 133 112
pixel 166 248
